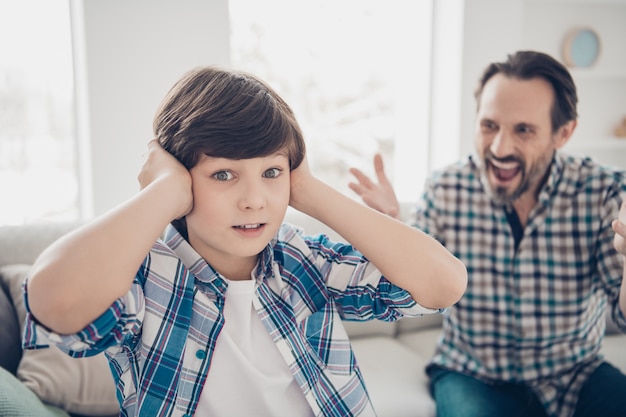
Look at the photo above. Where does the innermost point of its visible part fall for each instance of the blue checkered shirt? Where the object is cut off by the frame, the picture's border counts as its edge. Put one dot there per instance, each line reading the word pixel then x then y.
pixel 532 314
pixel 161 336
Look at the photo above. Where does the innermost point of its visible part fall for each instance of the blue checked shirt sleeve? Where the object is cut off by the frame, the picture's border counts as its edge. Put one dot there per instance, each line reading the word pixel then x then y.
pixel 358 288
pixel 121 320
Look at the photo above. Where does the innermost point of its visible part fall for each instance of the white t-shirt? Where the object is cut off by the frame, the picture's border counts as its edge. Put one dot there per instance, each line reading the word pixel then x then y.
pixel 247 375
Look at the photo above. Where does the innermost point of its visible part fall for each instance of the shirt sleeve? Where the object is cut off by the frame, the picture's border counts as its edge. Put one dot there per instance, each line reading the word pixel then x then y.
pixel 610 262
pixel 425 214
pixel 359 290
pixel 121 320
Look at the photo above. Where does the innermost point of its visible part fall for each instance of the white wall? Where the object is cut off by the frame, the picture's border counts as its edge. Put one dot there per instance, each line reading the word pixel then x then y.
pixel 492 29
pixel 468 34
pixel 131 53
pixel 446 78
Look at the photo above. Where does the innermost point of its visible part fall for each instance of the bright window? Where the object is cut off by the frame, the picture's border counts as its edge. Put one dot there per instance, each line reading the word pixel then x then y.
pixel 355 72
pixel 37 145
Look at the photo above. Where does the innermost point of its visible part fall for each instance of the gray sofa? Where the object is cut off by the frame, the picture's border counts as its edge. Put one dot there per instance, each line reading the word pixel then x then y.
pixel 392 356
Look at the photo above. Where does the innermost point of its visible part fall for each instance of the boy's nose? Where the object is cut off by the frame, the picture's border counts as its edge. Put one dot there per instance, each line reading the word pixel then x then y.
pixel 252 197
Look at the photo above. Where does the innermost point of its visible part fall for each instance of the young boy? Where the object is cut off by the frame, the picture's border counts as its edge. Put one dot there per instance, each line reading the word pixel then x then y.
pixel 231 312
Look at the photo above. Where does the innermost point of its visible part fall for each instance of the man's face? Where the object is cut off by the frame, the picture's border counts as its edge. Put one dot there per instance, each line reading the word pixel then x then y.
pixel 514 135
pixel 238 206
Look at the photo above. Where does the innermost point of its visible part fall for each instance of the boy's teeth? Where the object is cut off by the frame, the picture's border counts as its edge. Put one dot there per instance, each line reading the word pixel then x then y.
pixel 248 226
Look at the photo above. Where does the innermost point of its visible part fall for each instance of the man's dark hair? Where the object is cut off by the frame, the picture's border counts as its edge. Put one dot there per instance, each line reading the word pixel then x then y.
pixel 526 65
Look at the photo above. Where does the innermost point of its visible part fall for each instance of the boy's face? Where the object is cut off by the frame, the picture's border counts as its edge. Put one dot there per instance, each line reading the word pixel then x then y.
pixel 239 206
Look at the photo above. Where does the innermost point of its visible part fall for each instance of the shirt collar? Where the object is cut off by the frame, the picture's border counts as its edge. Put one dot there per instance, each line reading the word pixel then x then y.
pixel 196 264
pixel 556 171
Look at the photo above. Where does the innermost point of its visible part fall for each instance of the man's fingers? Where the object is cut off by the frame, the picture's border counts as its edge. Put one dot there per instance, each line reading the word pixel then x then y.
pixel 361 177
pixel 378 163
pixel 379 167
pixel 358 189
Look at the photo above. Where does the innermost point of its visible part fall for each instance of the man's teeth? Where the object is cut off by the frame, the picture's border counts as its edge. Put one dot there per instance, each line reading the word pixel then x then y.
pixel 504 165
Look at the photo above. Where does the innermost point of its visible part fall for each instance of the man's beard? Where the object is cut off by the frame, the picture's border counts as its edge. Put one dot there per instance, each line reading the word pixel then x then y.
pixel 502 195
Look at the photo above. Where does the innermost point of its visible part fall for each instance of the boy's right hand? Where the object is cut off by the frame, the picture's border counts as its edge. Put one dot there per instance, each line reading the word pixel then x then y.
pixel 379 196
pixel 159 166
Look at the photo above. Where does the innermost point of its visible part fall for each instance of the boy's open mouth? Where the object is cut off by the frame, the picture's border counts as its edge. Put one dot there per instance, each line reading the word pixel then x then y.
pixel 249 226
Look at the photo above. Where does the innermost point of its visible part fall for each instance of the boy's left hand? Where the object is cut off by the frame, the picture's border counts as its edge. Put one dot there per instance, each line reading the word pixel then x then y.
pixel 619 226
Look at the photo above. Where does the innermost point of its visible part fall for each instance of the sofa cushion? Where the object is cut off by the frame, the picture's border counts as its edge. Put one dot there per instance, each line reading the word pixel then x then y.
pixel 611 327
pixel 356 329
pixel 82 386
pixel 10 340
pixel 394 376
pixel 423 342
pixel 18 401
pixel 613 350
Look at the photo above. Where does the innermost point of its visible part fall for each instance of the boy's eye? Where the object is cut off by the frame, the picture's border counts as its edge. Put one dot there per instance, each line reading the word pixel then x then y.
pixel 223 175
pixel 272 173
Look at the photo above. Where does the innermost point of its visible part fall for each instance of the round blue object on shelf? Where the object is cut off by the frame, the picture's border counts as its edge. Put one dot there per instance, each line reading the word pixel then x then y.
pixel 581 48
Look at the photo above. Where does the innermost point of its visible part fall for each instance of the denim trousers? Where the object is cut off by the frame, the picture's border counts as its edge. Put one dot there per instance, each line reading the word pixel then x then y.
pixel 459 395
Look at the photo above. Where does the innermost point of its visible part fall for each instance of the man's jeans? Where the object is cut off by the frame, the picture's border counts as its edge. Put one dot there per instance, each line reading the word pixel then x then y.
pixel 458 395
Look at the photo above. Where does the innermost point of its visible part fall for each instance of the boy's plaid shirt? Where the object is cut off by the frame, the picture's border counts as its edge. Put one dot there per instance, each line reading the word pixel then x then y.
pixel 161 336
pixel 532 314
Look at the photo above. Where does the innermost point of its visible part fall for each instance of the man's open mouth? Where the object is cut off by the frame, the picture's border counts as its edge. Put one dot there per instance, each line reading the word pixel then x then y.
pixel 505 171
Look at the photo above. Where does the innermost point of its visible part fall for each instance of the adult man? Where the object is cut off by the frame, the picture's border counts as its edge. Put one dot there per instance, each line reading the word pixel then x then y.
pixel 534 228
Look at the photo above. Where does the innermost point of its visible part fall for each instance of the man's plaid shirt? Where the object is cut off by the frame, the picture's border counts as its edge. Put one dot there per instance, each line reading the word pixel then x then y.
pixel 532 314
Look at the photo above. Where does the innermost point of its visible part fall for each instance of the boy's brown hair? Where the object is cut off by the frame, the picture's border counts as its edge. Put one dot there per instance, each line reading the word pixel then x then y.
pixel 226 114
